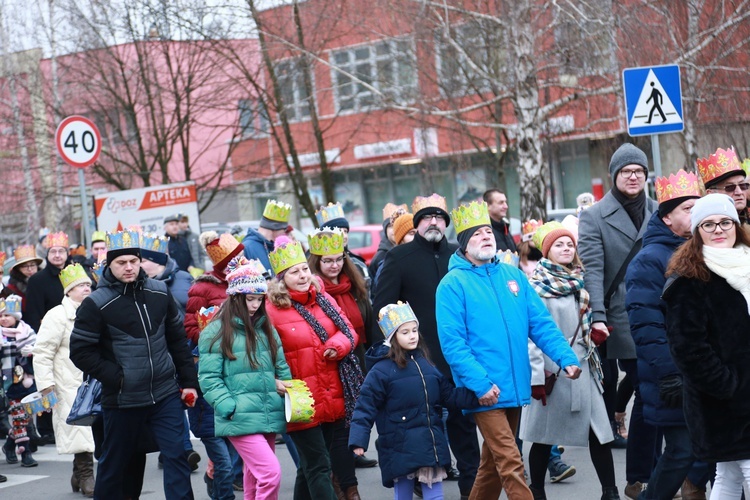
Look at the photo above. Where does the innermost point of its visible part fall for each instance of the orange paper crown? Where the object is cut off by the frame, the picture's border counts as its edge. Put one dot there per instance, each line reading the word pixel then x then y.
pixel 719 164
pixel 529 227
pixel 224 246
pixel 25 253
pixel 58 239
pixel 432 201
pixel 389 209
pixel 3 256
pixel 679 185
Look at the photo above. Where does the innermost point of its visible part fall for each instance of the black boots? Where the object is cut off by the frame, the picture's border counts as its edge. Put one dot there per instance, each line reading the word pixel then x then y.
pixel 610 493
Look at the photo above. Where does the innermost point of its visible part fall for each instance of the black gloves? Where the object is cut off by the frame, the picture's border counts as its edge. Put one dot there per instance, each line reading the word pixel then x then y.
pixel 670 391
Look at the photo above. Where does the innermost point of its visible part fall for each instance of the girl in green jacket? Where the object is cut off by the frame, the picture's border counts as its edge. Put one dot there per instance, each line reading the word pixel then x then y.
pixel 241 372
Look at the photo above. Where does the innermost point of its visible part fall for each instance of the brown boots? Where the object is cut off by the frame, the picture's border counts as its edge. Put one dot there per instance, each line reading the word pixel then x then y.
pixel 83 474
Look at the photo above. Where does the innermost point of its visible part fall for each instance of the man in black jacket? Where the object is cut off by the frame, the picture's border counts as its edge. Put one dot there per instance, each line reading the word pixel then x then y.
pixel 497 205
pixel 411 272
pixel 129 336
pixel 45 290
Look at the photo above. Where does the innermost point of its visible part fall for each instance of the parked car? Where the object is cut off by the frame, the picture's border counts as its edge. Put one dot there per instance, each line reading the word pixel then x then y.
pixel 364 240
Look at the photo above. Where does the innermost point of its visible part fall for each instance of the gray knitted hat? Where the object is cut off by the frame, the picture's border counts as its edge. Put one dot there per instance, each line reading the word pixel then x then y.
pixel 627 154
pixel 712 204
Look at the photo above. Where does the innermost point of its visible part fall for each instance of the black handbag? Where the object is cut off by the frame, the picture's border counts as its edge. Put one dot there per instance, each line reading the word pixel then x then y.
pixel 88 403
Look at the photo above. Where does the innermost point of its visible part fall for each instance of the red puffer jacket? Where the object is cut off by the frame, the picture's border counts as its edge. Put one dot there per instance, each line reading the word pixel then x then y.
pixel 304 353
pixel 209 289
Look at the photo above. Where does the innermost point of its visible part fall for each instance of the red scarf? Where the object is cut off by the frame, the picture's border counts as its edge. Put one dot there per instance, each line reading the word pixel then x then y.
pixel 305 298
pixel 341 292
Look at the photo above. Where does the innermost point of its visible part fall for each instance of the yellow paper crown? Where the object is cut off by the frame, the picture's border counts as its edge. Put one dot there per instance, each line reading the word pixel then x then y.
pixel 746 166
pixel 123 239
pixel 285 256
pixel 58 239
pixel 543 231
pixel 529 227
pixel 472 215
pixel 98 236
pixel 432 201
pixel 718 164
pixel 72 275
pixel 329 212
pixel 326 242
pixel 389 209
pixel 277 211
pixel 679 185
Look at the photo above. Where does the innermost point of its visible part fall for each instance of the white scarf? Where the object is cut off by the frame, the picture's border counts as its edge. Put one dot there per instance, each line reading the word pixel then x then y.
pixel 732 264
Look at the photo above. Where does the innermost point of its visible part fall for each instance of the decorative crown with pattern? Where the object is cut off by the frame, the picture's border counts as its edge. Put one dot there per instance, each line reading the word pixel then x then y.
pixel 285 256
pixel 392 316
pixel 529 227
pixel 508 257
pixel 123 239
pixel 3 256
pixel 432 201
pixel 277 211
pixel 222 247
pixel 205 315
pixel 58 239
pixel 389 209
pixel 247 279
pixel 470 215
pixel 99 266
pixel 72 275
pixel 329 212
pixel 98 236
pixel 154 242
pixel 678 185
pixel 720 163
pixel 326 241
pixel 25 253
pixel 543 231
pixel 746 166
pixel 13 304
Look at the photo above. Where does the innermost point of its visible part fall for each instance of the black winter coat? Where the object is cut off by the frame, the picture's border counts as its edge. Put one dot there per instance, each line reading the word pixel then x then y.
pixel 411 273
pixel 44 292
pixel 383 247
pixel 503 238
pixel 406 405
pixel 130 337
pixel 644 282
pixel 708 328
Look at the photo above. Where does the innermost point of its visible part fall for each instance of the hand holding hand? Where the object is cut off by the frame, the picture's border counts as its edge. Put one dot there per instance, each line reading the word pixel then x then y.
pixel 490 398
pixel 572 372
pixel 189 396
pixel 538 393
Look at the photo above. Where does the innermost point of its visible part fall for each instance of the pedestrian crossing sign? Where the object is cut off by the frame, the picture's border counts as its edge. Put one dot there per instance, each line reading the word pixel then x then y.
pixel 653 100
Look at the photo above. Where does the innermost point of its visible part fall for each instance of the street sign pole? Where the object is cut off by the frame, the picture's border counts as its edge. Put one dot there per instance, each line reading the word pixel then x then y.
pixel 86 233
pixel 656 154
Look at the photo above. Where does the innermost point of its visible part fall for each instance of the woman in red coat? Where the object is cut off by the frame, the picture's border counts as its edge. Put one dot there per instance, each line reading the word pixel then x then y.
pixel 318 340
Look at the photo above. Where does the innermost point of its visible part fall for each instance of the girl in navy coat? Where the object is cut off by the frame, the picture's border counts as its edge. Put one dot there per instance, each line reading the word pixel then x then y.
pixel 403 395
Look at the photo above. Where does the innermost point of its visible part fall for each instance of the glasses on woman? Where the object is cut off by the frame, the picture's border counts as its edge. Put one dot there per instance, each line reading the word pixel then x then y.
pixel 710 227
pixel 29 266
pixel 330 262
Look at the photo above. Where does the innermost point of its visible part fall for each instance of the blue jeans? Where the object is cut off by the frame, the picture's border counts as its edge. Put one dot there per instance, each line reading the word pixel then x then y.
pixel 218 452
pixel 673 466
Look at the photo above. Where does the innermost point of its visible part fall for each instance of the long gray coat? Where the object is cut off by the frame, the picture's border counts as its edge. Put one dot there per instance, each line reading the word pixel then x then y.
pixel 606 235
pixel 574 405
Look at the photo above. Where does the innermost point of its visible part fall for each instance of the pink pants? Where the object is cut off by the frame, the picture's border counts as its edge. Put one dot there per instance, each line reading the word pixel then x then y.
pixel 262 471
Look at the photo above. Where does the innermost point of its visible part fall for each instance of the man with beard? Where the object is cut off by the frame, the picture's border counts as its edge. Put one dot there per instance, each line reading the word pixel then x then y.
pixel 486 313
pixel 411 273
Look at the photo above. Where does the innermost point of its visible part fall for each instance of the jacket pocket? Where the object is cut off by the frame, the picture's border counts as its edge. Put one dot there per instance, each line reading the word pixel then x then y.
pixel 400 423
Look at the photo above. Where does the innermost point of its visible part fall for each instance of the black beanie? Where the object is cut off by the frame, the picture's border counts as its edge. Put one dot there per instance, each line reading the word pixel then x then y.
pixel 113 254
pixel 666 207
pixel 465 235
pixel 155 257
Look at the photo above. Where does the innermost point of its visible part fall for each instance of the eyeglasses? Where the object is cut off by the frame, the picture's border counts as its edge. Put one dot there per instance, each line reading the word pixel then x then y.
pixel 638 172
pixel 58 251
pixel 436 215
pixel 30 265
pixel 730 188
pixel 710 227
pixel 329 262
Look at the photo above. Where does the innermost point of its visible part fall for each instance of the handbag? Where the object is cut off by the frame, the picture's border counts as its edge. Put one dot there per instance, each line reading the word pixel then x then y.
pixel 87 405
pixel 551 377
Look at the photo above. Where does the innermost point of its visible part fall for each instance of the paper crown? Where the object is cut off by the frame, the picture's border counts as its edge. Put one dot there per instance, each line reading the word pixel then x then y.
pixel 508 257
pixel 329 212
pixel 529 227
pixel 205 315
pixel 72 276
pixel 99 266
pixel 472 215
pixel 123 239
pixel 98 236
pixel 220 248
pixel 432 201
pixel 25 253
pixel 13 305
pixel 286 255
pixel 678 185
pixel 247 278
pixel 746 166
pixel 277 211
pixel 543 231
pixel 154 242
pixel 719 164
pixel 3 256
pixel 326 242
pixel 58 239
pixel 389 209
pixel 392 316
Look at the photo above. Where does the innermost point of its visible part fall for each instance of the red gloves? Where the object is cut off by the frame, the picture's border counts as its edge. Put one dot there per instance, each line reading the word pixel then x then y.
pixel 598 336
pixel 537 392
pixel 188 396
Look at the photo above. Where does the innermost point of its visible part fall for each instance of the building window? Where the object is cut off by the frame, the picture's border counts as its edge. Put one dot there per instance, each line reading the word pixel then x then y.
pixel 293 92
pixel 388 67
pixel 254 120
pixel 472 59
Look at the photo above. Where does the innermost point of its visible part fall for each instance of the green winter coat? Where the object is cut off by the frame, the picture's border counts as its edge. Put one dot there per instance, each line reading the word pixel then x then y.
pixel 244 399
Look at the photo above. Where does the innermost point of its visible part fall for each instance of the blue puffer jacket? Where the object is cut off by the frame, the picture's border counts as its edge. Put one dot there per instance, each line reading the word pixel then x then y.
pixel 644 282
pixel 258 247
pixel 178 282
pixel 405 404
pixel 485 316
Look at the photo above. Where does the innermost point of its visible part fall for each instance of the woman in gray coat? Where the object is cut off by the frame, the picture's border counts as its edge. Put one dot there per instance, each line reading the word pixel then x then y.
pixel 573 413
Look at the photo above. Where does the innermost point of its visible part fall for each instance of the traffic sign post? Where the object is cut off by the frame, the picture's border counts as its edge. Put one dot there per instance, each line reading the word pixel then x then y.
pixel 79 144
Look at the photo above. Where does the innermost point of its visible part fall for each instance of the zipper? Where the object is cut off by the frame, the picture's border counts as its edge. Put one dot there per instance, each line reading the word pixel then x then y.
pixel 427 406
pixel 507 336
pixel 148 345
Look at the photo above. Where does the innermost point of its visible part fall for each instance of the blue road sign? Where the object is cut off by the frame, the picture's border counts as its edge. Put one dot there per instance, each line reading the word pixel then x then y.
pixel 653 99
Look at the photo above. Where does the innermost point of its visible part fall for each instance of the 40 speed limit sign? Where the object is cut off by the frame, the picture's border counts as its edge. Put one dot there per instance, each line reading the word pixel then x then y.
pixel 78 141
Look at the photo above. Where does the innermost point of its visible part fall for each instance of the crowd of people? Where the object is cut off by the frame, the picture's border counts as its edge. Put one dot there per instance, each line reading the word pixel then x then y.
pixel 543 339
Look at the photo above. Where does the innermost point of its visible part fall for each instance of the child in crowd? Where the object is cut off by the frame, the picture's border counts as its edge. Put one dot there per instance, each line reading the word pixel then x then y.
pixel 403 395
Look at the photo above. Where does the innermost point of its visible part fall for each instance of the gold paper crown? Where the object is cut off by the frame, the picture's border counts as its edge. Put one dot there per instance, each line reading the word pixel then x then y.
pixel 472 215
pixel 222 247
pixel 326 242
pixel 543 231
pixel 72 275
pixel 329 212
pixel 285 256
pixel 432 201
pixel 718 164
pixel 58 239
pixel 277 211
pixel 3 256
pixel 529 227
pixel 508 257
pixel 389 209
pixel 25 253
pixel 679 185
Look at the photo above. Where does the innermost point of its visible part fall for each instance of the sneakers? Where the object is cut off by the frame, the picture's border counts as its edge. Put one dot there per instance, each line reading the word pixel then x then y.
pixel 632 490
pixel 558 470
pixel 10 453
pixel 619 442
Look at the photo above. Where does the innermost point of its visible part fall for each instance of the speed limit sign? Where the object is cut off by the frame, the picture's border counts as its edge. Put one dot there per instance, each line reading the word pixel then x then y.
pixel 78 141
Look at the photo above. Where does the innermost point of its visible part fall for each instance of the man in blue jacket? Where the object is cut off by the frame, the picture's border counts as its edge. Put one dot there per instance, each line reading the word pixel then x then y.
pixel 660 382
pixel 258 243
pixel 486 312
